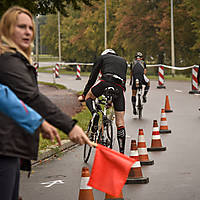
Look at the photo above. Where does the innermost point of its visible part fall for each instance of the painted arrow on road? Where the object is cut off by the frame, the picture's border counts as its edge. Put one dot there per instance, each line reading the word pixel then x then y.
pixel 51 183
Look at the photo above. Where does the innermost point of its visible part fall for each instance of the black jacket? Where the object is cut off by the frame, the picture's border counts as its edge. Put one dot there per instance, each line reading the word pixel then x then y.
pixel 107 64
pixel 17 73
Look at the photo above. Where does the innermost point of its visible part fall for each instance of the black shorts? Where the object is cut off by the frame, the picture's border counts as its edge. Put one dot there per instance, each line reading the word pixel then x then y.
pixel 143 80
pixel 118 102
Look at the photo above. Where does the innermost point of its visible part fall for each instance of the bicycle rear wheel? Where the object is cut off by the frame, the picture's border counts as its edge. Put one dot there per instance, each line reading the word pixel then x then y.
pixel 140 112
pixel 140 107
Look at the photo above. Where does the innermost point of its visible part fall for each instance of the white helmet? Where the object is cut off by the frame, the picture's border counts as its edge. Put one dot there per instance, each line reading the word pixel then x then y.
pixel 138 55
pixel 106 51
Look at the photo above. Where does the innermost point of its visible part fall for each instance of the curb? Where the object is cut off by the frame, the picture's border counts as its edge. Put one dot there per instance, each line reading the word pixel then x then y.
pixel 53 150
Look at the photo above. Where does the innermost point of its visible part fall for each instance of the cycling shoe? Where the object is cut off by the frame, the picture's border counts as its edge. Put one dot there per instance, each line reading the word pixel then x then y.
pixel 134 111
pixel 144 99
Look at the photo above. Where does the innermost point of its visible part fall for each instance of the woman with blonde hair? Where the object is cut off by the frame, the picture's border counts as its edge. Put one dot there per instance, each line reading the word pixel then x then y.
pixel 17 72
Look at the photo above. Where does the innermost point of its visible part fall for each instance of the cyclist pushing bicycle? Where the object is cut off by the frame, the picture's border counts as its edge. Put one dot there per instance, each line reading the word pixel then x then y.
pixel 113 69
pixel 138 71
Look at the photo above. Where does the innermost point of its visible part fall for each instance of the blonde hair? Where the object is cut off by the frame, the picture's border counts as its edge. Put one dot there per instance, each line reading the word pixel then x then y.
pixel 7 24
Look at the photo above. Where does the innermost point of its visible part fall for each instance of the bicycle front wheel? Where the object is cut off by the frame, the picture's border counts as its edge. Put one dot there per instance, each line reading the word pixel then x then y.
pixel 87 152
pixel 140 107
pixel 87 148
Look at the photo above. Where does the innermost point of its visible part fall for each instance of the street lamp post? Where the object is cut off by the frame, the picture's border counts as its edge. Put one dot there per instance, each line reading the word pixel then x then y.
pixel 105 29
pixel 172 39
pixel 37 40
pixel 59 40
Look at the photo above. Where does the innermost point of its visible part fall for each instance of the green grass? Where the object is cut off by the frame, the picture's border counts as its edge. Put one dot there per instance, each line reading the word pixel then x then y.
pixel 58 86
pixel 169 77
pixel 83 117
pixel 83 120
pixel 44 143
pixel 47 58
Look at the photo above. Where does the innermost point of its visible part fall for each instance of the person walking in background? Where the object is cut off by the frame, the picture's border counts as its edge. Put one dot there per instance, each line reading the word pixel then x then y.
pixel 113 69
pixel 18 73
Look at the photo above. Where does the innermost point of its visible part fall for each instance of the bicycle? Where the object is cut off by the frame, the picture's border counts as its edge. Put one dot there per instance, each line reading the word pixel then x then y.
pixel 104 133
pixel 139 102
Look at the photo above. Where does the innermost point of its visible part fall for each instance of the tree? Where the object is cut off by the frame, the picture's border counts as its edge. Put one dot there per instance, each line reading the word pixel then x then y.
pixel 139 25
pixel 43 6
pixel 193 10
pixel 49 36
pixel 82 33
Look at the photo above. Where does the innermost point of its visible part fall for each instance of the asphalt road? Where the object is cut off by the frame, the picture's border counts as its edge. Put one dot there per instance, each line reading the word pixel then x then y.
pixel 175 173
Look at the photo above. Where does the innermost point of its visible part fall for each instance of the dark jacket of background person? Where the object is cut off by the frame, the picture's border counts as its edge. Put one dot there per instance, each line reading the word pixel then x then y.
pixel 137 69
pixel 20 76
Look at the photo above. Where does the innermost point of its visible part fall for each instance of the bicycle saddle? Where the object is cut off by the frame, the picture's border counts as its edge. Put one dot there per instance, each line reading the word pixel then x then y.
pixel 111 91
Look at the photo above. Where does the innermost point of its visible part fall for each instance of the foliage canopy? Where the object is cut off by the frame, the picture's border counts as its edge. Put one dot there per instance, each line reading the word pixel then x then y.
pixel 43 6
pixel 131 26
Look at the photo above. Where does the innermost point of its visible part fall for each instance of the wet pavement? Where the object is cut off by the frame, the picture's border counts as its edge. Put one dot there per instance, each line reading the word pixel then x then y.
pixel 175 173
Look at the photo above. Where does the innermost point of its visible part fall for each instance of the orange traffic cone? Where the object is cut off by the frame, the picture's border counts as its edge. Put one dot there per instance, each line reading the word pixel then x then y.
pixel 85 192
pixel 135 174
pixel 142 150
pixel 167 105
pixel 163 123
pixel 156 144
pixel 119 197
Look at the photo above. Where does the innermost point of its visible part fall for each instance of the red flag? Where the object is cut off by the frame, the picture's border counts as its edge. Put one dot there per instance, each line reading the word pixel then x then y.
pixel 110 170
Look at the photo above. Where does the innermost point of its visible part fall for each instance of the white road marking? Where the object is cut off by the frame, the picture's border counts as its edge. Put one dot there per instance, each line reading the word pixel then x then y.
pixel 51 183
pixel 178 91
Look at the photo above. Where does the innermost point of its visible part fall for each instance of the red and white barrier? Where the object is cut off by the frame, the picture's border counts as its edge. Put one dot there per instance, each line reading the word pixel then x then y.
pixel 195 86
pixel 56 71
pixel 161 78
pixel 99 75
pixel 78 72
